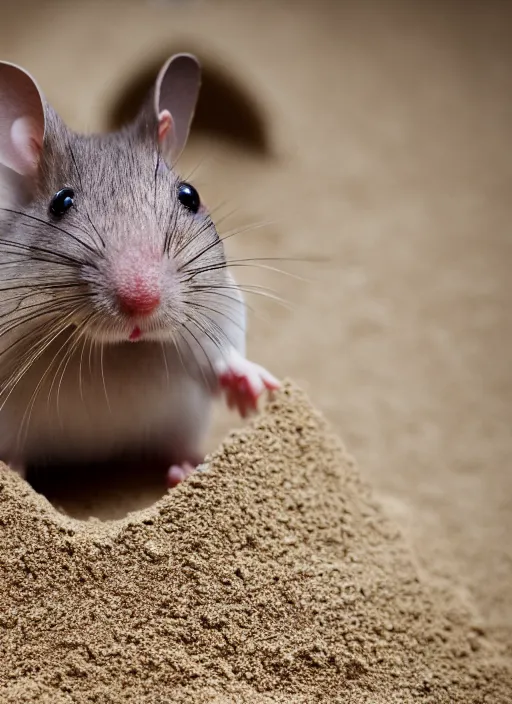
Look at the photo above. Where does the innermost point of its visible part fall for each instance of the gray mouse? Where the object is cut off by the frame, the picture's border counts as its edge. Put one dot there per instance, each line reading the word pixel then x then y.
pixel 120 321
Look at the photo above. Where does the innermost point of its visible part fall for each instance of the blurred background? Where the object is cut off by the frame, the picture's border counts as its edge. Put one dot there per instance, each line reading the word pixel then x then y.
pixel 375 135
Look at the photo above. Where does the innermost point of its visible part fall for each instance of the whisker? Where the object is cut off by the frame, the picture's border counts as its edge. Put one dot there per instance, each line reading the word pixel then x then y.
pixel 165 360
pixel 80 380
pixel 53 227
pixel 9 326
pixel 19 341
pixel 177 347
pixel 187 242
pixel 206 225
pixel 26 419
pixel 254 289
pixel 32 290
pixel 90 319
pixel 39 282
pixel 224 217
pixel 192 352
pixel 43 328
pixel 185 236
pixel 21 298
pixel 102 347
pixel 67 341
pixel 254 262
pixel 195 304
pixel 77 334
pixel 76 263
pixel 248 263
pixel 90 354
pixel 15 264
pixel 200 163
pixel 212 336
pixel 253 227
pixel 220 241
pixel 15 378
pixel 212 291
pixel 200 346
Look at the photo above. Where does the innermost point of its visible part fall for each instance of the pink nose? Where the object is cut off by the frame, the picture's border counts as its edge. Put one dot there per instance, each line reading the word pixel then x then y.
pixel 138 301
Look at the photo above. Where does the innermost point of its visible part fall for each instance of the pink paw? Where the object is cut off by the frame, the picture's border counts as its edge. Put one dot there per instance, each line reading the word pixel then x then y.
pixel 243 383
pixel 178 472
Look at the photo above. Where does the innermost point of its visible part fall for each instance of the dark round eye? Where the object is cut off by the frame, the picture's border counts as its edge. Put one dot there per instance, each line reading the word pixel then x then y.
pixel 62 201
pixel 189 197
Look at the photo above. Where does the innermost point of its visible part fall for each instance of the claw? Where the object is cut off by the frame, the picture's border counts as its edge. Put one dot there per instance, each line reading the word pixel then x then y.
pixel 244 382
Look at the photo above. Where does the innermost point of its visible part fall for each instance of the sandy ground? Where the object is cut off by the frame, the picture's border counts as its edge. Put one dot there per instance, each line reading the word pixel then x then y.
pixel 247 584
pixel 374 135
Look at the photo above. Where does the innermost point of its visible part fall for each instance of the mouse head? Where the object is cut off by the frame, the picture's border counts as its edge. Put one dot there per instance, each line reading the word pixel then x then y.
pixel 101 226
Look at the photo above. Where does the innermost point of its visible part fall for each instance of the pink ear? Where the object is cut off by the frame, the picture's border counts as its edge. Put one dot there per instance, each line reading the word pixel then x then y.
pixel 165 124
pixel 21 120
pixel 176 93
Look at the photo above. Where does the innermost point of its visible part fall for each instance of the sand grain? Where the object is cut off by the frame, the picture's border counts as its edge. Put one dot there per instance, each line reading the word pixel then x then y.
pixel 272 578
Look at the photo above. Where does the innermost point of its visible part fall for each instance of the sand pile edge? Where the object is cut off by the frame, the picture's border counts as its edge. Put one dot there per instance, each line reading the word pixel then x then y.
pixel 272 577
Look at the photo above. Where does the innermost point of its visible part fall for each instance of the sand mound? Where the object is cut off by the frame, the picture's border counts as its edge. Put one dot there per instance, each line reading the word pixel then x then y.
pixel 271 578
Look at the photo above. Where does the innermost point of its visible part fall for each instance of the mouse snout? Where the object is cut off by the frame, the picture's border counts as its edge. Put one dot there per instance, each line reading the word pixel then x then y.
pixel 139 300
pixel 137 285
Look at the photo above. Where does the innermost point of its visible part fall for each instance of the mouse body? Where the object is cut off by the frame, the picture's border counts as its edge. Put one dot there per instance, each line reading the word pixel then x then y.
pixel 120 321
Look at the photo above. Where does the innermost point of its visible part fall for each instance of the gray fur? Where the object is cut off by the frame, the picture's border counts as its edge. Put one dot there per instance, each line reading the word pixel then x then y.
pixel 71 385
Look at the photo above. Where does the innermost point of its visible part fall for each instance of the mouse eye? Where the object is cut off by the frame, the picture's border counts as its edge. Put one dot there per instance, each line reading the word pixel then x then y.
pixel 189 197
pixel 62 201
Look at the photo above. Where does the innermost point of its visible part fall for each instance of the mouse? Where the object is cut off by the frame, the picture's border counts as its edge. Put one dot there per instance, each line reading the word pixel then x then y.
pixel 120 320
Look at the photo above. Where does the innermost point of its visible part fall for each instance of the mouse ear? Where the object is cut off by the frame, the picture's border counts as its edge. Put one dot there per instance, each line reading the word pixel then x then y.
pixel 176 92
pixel 21 120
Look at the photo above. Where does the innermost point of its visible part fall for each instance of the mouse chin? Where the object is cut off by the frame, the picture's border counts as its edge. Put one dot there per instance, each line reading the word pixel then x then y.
pixel 138 335
pixel 134 333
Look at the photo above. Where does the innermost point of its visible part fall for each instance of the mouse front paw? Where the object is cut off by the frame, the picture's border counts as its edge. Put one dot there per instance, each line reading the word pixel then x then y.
pixel 243 382
pixel 178 473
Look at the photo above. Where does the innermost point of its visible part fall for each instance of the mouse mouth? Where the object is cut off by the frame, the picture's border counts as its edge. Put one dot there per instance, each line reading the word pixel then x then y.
pixel 145 331
pixel 135 334
pixel 108 331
